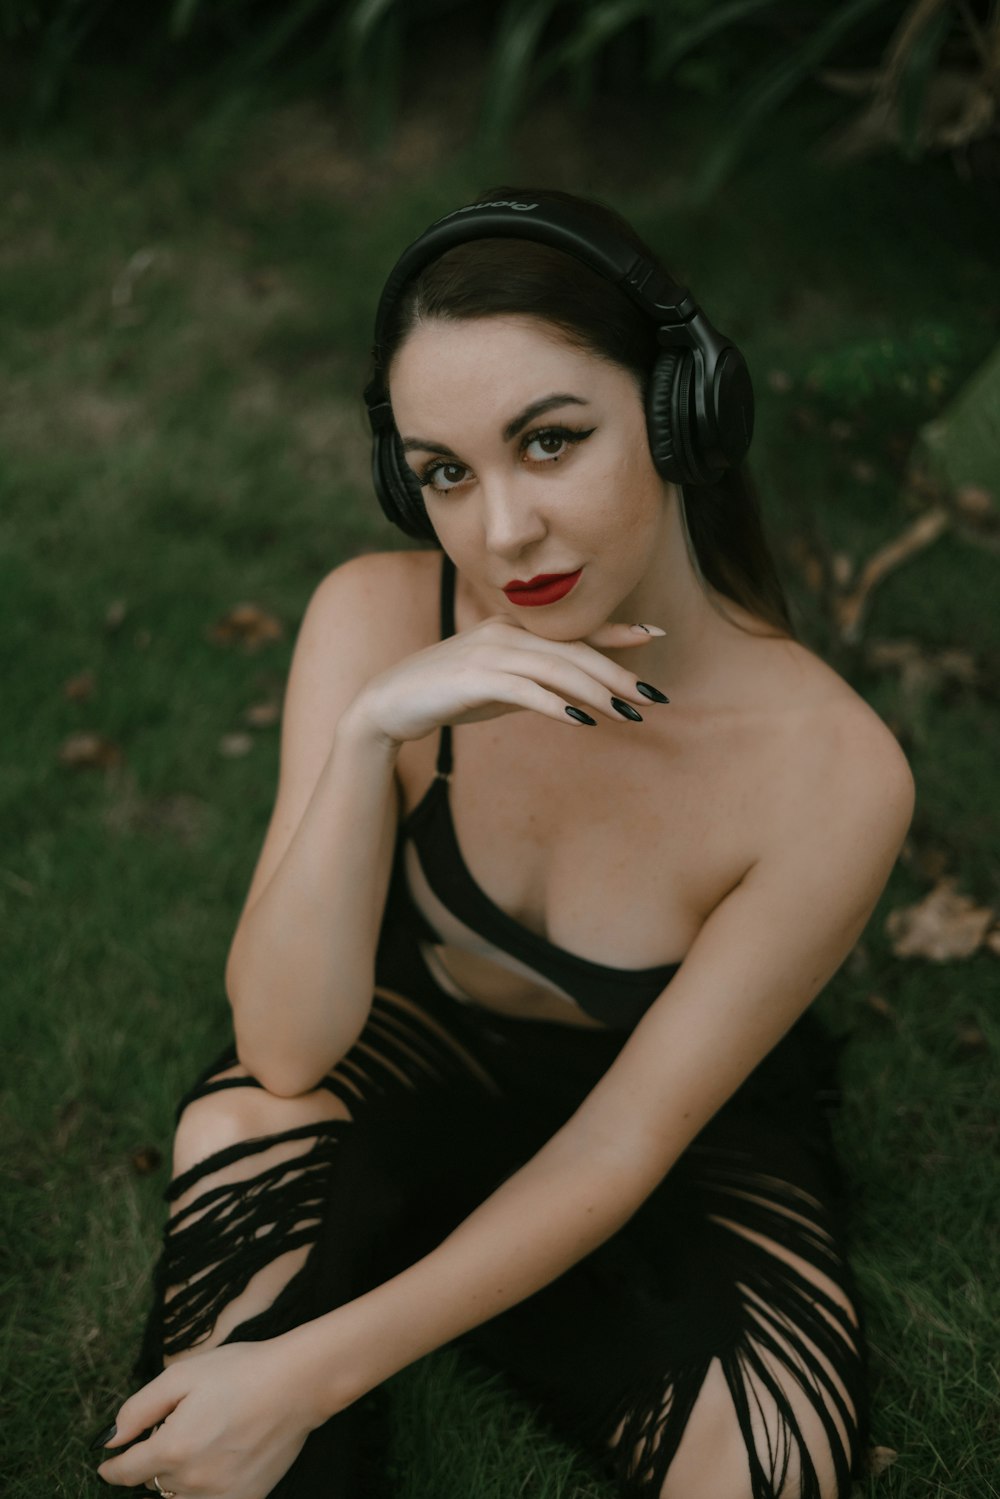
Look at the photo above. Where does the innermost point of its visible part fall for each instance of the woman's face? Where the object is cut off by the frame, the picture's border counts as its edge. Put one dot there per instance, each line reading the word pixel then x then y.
pixel 533 458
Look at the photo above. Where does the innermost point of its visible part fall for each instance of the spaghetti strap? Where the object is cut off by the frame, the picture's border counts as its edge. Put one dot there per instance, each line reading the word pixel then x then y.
pixel 443 768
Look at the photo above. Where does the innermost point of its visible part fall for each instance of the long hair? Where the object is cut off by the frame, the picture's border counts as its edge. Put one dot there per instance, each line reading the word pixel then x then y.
pixel 516 277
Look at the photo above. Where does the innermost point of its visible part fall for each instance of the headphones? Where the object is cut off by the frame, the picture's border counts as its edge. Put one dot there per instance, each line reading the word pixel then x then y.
pixel 699 401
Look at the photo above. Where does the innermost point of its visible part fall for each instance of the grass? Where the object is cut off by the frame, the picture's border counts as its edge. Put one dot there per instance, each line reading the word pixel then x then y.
pixel 184 313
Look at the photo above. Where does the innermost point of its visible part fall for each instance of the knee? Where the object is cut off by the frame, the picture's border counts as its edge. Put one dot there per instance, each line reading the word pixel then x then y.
pixel 711 1461
pixel 714 1457
pixel 230 1116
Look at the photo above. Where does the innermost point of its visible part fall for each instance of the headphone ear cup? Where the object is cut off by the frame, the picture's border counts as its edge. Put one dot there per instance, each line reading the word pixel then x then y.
pixel 397 489
pixel 661 418
pixel 696 468
pixel 671 421
pixel 408 494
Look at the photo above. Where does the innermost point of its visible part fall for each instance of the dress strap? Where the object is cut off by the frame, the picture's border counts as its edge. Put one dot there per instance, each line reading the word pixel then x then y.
pixel 443 767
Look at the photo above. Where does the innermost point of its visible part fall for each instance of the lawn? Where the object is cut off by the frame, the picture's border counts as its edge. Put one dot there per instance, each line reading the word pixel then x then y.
pixel 184 315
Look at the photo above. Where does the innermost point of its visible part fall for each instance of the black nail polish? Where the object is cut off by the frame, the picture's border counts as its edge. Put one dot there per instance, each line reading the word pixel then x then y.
pixel 653 693
pixel 104 1436
pixel 626 710
pixel 580 716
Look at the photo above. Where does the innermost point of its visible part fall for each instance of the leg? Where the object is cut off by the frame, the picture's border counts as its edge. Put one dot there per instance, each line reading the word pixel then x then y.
pixel 286 1208
pixel 777 1412
pixel 207 1219
pixel 712 1349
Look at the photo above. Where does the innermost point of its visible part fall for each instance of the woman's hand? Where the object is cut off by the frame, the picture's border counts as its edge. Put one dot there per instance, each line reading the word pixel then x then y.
pixel 228 1421
pixel 497 668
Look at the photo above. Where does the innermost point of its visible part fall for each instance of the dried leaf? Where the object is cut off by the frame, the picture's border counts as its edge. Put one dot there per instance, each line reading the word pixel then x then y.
pixel 944 926
pixel 880 1006
pixel 234 746
pixel 850 608
pixel 973 502
pixel 80 689
pixel 86 751
pixel 970 1040
pixel 249 625
pixel 263 715
pixel 992 941
pixel 114 614
pixel 145 1160
pixel 880 1458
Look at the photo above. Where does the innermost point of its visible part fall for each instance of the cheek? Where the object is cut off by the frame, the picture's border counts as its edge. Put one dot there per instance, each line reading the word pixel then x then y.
pixel 628 492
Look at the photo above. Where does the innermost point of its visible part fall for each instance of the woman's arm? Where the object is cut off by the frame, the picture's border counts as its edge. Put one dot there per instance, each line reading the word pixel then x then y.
pixel 300 970
pixel 757 963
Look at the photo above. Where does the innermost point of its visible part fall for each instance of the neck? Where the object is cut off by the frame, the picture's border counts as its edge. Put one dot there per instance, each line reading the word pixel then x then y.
pixel 672 595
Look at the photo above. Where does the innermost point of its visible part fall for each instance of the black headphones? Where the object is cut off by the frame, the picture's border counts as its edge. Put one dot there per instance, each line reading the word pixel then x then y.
pixel 699 402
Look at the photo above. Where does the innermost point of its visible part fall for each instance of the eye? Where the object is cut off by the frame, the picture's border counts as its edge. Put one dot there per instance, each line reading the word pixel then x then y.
pixel 442 476
pixel 552 443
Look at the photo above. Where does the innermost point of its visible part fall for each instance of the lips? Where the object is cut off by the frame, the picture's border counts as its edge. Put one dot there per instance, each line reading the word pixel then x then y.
pixel 546 588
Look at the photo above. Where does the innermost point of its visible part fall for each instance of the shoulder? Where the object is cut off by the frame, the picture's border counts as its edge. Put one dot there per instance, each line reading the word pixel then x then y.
pixel 841 776
pixel 386 601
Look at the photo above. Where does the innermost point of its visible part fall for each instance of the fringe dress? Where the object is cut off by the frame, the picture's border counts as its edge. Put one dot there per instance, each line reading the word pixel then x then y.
pixel 445 1099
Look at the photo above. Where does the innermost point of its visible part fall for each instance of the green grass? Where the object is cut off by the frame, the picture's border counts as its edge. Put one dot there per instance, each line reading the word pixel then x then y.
pixel 184 317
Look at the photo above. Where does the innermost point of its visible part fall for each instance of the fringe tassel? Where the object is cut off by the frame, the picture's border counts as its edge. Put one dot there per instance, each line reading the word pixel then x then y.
pixel 780 1309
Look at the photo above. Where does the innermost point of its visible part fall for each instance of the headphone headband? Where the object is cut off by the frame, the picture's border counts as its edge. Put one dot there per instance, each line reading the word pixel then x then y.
pixel 669 305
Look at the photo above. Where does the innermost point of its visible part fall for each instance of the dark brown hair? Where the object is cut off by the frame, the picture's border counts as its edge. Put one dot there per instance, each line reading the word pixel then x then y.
pixel 517 277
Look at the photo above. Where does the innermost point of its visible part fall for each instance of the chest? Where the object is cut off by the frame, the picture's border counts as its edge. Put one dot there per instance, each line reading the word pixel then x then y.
pixel 611 843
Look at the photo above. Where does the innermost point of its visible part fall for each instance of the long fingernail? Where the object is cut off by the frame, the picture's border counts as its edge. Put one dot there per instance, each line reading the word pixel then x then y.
pixel 647 630
pixel 580 716
pixel 653 693
pixel 104 1436
pixel 626 710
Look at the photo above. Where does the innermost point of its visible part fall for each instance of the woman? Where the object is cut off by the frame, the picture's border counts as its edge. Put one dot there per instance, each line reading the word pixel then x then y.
pixel 580 1124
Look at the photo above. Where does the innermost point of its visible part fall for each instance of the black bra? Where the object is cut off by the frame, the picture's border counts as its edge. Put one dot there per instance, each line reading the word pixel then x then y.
pixel 617 997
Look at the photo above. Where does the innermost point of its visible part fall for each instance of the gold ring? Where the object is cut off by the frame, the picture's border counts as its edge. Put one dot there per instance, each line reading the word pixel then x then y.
pixel 167 1493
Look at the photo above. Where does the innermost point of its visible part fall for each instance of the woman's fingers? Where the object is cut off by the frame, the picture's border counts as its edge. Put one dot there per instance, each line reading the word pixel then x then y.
pixel 526 692
pixel 142 1412
pixel 614 636
pixel 579 673
pixel 483 673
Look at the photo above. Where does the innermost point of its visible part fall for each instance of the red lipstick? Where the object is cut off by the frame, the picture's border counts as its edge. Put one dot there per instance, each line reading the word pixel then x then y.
pixel 546 588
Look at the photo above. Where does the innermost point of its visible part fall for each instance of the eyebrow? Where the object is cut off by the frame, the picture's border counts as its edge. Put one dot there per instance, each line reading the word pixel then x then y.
pixel 513 427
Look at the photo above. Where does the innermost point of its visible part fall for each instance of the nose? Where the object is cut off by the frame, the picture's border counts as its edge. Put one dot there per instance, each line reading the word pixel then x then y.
pixel 512 521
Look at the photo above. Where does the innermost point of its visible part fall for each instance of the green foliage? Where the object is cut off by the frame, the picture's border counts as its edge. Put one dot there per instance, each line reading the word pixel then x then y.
pixel 754 54
pixel 914 364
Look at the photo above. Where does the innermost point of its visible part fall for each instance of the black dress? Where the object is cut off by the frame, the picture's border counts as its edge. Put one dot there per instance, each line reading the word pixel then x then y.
pixel 445 1100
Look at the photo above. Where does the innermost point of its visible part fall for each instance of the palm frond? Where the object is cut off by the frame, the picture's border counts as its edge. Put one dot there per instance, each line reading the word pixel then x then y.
pixel 770 90
pixel 517 39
